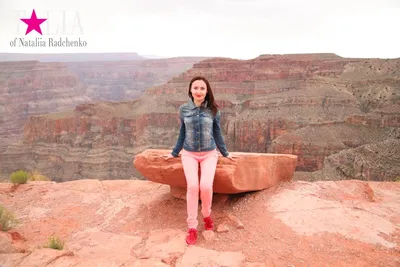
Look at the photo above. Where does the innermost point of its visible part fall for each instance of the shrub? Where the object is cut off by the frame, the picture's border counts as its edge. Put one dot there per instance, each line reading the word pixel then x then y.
pixel 55 243
pixel 7 219
pixel 36 176
pixel 19 177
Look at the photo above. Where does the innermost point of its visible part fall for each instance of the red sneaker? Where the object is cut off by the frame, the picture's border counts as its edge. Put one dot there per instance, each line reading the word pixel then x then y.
pixel 191 237
pixel 208 223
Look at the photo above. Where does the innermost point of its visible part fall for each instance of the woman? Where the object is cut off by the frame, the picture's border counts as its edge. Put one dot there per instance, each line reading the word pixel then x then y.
pixel 199 137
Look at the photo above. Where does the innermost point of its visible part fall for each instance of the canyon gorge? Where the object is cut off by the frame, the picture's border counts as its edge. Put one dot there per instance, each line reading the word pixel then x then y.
pixel 340 116
pixel 35 88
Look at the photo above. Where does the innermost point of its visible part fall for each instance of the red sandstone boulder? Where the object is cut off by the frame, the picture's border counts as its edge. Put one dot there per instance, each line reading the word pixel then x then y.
pixel 247 172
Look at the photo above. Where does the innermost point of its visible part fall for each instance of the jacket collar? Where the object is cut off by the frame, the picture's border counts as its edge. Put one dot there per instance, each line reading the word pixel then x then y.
pixel 192 105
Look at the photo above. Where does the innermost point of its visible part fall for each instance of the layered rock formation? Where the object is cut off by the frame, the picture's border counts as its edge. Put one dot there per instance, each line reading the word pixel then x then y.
pixel 378 161
pixel 138 223
pixel 312 106
pixel 93 141
pixel 127 80
pixel 32 88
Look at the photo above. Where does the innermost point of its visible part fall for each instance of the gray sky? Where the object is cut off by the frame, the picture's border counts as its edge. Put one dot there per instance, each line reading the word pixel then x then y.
pixel 237 28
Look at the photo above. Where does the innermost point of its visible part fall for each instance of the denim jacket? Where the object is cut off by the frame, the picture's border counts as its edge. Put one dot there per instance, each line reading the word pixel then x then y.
pixel 199 130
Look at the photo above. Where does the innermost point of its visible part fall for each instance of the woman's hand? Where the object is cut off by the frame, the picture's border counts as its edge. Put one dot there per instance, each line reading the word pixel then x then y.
pixel 231 157
pixel 168 156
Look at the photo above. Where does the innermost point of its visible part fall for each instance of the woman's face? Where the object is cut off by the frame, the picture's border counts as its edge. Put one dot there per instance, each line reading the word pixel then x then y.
pixel 199 90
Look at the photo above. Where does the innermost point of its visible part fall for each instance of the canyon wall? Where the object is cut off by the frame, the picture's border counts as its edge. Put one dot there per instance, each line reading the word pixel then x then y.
pixel 34 88
pixel 315 106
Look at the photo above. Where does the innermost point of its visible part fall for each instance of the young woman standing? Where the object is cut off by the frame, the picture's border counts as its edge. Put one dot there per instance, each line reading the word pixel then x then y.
pixel 199 138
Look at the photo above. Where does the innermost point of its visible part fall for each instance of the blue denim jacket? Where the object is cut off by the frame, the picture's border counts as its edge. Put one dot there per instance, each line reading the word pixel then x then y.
pixel 199 130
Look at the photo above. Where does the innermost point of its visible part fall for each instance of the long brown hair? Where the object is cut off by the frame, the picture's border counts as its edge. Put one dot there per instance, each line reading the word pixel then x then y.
pixel 209 96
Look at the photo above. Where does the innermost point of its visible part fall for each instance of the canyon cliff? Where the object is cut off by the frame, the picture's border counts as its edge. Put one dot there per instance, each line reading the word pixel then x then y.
pixel 325 109
pixel 34 88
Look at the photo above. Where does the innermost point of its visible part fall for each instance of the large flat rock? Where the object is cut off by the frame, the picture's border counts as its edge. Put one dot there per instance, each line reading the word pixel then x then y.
pixel 247 172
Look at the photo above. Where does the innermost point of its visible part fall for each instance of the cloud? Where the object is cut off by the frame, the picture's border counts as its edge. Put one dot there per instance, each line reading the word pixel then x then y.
pixel 232 28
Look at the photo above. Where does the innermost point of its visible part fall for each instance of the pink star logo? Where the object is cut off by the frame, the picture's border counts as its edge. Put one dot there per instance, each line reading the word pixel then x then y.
pixel 33 23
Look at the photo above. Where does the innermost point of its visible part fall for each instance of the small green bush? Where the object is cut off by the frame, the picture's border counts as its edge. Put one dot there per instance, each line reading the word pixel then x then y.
pixel 398 179
pixel 19 177
pixel 7 219
pixel 55 243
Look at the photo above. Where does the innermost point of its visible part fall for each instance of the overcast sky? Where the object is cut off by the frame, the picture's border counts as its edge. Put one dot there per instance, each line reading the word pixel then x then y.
pixel 240 29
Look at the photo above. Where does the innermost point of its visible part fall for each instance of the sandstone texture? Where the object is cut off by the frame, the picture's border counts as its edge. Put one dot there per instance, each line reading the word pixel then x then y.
pixel 248 172
pixel 138 223
pixel 319 107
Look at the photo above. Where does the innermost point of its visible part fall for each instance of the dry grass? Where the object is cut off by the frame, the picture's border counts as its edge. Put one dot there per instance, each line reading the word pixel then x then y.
pixel 7 219
pixel 55 242
pixel 36 176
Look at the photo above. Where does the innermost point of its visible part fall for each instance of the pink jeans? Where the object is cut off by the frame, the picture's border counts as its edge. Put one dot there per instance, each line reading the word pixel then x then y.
pixel 208 163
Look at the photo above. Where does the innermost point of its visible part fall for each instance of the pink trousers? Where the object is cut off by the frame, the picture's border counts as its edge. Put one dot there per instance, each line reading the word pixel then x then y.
pixel 208 163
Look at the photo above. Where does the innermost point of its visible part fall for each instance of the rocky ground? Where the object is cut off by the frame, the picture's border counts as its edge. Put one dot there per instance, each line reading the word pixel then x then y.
pixel 138 223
